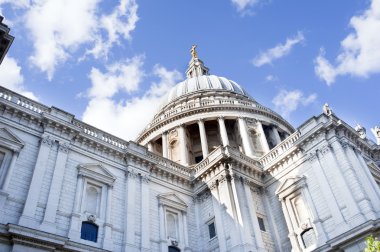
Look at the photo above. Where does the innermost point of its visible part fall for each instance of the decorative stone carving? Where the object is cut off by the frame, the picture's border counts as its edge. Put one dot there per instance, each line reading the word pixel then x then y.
pixel 311 157
pixel 91 218
pixel 145 179
pixel 327 110
pixel 376 132
pixel 47 141
pixel 64 147
pixel 361 130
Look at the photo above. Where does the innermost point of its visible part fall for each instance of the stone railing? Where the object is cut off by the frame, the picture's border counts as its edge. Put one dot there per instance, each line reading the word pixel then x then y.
pixel 22 101
pixel 100 135
pixel 204 163
pixel 281 148
pixel 228 152
pixel 200 103
pixel 170 165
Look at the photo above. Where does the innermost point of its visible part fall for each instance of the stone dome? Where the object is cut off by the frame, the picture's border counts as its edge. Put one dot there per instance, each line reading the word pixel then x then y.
pixel 202 83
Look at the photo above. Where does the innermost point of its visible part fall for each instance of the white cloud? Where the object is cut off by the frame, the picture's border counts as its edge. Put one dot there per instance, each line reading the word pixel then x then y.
pixel 278 51
pixel 126 118
pixel 11 77
pixel 288 101
pixel 243 5
pixel 120 23
pixel 60 28
pixel 121 76
pixel 271 78
pixel 360 51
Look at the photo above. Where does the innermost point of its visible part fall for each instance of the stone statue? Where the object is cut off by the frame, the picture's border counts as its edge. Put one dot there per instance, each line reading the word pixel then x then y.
pixel 376 132
pixel 193 51
pixel 327 110
pixel 361 130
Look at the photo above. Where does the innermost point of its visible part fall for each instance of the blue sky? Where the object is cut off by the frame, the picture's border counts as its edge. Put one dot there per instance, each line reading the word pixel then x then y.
pixel 109 62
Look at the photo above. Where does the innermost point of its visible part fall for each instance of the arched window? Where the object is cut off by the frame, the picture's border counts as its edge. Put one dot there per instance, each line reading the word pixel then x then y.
pixel 89 231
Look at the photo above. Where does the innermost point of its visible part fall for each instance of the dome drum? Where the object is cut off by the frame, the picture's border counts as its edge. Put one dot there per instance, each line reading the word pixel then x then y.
pixel 206 111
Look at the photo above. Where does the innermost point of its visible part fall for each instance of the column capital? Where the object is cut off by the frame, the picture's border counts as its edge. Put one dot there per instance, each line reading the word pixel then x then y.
pixel 64 147
pixel 46 140
pixel 201 120
pixel 220 118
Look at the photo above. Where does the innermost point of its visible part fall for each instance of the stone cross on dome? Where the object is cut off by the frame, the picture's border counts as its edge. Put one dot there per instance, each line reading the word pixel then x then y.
pixel 196 66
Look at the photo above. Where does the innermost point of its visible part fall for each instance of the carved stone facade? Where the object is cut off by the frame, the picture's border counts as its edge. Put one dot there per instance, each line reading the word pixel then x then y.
pixel 213 171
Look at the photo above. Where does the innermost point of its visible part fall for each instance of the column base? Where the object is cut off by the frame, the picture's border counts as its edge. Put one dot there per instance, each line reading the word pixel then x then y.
pixel 131 248
pixel 28 221
pixel 47 226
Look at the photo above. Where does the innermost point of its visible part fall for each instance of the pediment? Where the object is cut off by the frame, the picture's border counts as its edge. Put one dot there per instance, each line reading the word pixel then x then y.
pixel 10 140
pixel 96 172
pixel 290 184
pixel 173 200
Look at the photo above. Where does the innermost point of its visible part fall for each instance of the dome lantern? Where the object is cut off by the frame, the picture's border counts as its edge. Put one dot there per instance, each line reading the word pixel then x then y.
pixel 196 66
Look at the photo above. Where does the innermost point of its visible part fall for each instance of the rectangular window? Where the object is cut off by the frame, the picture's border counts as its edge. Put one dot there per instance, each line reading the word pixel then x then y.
pixel 261 223
pixel 211 230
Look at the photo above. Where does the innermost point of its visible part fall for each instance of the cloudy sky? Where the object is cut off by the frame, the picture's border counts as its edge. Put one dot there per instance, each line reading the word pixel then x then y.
pixel 109 62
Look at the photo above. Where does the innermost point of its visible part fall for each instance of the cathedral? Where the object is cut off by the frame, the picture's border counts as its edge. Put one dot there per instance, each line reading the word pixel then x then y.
pixel 214 170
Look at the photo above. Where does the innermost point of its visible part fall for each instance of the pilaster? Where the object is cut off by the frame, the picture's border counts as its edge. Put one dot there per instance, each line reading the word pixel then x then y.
pixel 48 223
pixel 27 218
pixel 145 217
pixel 129 226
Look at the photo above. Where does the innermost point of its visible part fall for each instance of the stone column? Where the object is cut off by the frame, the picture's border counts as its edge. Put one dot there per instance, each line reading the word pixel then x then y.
pixel 242 218
pixel 216 205
pixel 185 232
pixel 145 220
pixel 328 194
pixel 27 218
pixel 8 176
pixel 107 241
pixel 129 226
pixel 263 139
pixel 252 211
pixel 223 131
pixel 75 224
pixel 165 144
pixel 48 223
pixel 322 238
pixel 163 242
pixel 150 146
pixel 276 135
pixel 246 139
pixel 202 133
pixel 183 145
pixel 292 235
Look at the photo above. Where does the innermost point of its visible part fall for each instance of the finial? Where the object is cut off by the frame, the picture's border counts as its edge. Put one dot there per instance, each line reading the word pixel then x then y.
pixel 193 51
